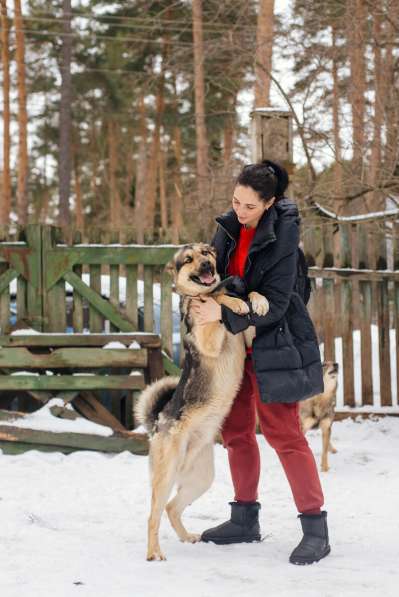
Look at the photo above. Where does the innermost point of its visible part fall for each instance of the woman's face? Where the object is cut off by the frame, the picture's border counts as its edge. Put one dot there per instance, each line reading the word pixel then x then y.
pixel 248 206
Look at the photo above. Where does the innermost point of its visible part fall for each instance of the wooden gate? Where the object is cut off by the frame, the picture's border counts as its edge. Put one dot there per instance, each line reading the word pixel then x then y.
pixel 85 287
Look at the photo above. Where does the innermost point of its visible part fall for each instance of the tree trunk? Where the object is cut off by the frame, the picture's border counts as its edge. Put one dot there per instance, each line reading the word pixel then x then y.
pixel 153 174
pixel 264 52
pixel 94 157
pixel 338 174
pixel 114 197
pixel 391 95
pixel 200 124
pixel 356 32
pixel 79 215
pixel 5 198
pixel 228 133
pixel 22 198
pixel 177 200
pixel 129 175
pixel 338 177
pixel 65 158
pixel 163 202
pixel 374 200
pixel 141 176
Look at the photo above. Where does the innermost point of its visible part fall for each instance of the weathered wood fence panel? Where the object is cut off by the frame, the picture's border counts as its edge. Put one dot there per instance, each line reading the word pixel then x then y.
pixel 355 306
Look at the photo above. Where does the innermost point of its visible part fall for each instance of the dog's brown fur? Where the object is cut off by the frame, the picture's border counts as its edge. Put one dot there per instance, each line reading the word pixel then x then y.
pixel 318 412
pixel 184 415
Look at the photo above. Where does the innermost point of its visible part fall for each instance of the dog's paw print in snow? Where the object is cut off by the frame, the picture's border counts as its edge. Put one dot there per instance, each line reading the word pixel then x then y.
pixel 40 522
pixel 361 459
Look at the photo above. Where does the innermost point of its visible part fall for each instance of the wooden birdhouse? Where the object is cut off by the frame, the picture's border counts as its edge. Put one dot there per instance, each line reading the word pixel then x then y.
pixel 271 132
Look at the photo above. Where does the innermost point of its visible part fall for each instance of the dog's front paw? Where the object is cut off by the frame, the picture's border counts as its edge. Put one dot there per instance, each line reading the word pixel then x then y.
pixel 240 307
pixel 260 304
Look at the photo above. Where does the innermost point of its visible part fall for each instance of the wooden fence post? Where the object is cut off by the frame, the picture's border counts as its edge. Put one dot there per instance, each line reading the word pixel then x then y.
pixel 34 288
pixel 271 133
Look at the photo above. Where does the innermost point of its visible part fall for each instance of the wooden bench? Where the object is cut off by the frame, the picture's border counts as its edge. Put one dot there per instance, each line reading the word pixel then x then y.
pixel 62 365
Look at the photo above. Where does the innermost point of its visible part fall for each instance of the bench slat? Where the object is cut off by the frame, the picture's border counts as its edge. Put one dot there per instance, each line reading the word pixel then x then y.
pixel 73 357
pixel 144 339
pixel 72 382
pixel 32 438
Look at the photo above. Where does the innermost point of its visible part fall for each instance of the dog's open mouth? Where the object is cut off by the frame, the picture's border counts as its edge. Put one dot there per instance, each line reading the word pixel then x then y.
pixel 206 279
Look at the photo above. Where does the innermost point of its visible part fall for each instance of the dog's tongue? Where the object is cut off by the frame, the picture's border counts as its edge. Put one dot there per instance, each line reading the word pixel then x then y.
pixel 207 278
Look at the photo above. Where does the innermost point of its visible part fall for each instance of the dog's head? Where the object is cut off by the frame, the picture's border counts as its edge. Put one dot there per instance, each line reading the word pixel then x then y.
pixel 194 269
pixel 330 377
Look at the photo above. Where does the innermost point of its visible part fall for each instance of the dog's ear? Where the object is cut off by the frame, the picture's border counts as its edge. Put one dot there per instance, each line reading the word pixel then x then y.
pixel 211 249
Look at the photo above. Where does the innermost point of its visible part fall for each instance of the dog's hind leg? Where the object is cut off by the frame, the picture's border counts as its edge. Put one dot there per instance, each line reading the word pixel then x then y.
pixel 307 423
pixel 195 478
pixel 325 426
pixel 331 448
pixel 165 456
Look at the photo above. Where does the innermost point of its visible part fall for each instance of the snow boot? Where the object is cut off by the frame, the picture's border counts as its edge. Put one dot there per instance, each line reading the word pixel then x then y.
pixel 243 526
pixel 314 544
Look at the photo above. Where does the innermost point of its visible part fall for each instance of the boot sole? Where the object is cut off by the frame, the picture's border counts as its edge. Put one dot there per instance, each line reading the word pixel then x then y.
pixel 305 562
pixel 230 540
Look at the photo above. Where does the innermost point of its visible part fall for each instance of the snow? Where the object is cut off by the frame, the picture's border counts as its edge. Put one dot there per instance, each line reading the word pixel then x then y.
pixel 24 332
pixel 360 217
pixel 134 345
pixel 24 373
pixel 43 419
pixel 114 345
pixel 76 525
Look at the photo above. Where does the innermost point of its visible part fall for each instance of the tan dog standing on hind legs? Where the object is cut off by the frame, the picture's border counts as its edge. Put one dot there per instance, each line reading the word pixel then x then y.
pixel 318 412
pixel 183 415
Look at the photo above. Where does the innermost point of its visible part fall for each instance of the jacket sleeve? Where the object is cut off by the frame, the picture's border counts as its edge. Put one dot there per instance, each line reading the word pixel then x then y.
pixel 277 286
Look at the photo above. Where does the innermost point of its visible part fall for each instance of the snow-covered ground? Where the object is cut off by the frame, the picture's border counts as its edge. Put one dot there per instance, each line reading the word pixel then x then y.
pixel 76 525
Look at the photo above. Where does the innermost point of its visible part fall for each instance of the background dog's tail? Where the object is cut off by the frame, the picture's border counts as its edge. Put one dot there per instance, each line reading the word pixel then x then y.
pixel 153 399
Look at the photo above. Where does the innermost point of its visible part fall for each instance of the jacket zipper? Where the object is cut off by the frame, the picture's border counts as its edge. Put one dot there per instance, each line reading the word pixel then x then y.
pixel 231 249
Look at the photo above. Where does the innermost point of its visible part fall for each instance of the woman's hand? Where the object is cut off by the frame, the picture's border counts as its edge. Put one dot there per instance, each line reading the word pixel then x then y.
pixel 206 310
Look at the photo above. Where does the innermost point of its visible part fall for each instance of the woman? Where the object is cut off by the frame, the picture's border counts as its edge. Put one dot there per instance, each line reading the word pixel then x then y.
pixel 257 240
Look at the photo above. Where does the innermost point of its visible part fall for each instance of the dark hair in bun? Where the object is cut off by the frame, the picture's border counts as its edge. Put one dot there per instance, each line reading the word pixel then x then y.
pixel 269 179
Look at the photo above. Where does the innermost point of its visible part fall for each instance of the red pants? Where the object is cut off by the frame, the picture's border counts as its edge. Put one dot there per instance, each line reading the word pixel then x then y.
pixel 279 423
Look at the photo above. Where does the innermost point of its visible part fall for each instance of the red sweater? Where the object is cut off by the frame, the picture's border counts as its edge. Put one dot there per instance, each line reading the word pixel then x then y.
pixel 238 259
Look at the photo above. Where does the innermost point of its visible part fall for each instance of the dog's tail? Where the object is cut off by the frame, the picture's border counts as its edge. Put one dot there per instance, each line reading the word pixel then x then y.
pixel 152 400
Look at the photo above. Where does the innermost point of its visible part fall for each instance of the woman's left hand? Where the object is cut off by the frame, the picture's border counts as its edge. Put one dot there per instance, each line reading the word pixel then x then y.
pixel 206 310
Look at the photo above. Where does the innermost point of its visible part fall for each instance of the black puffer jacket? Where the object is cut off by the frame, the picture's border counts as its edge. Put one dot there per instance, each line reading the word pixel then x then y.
pixel 285 351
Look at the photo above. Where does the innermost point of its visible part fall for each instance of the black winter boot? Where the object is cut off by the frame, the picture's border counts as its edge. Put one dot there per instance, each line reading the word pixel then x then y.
pixel 314 544
pixel 243 526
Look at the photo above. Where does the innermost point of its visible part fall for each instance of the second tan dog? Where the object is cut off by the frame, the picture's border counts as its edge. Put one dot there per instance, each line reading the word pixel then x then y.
pixel 318 412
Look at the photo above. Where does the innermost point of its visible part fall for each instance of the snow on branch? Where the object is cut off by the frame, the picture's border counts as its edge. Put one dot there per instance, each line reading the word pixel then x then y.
pixel 369 217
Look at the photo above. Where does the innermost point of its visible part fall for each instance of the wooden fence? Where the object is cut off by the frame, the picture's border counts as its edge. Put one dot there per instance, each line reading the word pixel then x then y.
pixel 106 285
pixel 355 307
